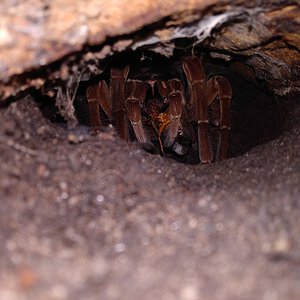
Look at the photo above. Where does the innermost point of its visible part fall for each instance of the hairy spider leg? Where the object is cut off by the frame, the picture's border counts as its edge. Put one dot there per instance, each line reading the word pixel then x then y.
pixel 219 87
pixel 175 98
pixel 98 96
pixel 117 94
pixel 135 93
pixel 91 96
pixel 194 73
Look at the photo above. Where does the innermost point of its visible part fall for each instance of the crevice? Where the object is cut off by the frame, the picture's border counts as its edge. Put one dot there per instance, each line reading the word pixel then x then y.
pixel 258 116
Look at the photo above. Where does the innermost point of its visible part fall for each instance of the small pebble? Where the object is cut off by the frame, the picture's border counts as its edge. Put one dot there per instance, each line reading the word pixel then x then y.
pixel 72 138
pixel 100 198
pixel 282 245
pixel 42 171
pixel 9 127
pixel 28 278
pixel 189 292
pixel 120 247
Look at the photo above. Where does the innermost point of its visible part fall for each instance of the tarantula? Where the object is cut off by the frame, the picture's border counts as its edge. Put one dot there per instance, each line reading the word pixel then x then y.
pixel 164 103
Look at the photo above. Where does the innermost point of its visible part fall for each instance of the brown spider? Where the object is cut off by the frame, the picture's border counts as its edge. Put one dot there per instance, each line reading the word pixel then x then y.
pixel 127 98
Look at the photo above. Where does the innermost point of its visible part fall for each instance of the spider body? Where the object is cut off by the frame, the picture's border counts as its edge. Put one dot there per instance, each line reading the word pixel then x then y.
pixel 164 107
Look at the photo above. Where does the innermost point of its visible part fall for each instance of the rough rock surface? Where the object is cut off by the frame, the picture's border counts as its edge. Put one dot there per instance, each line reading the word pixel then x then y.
pixel 264 35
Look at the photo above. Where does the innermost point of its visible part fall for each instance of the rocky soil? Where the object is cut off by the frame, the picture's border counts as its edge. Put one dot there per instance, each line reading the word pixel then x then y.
pixel 95 218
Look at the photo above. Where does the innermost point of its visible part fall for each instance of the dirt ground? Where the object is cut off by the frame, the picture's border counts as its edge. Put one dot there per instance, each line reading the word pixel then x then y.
pixel 95 218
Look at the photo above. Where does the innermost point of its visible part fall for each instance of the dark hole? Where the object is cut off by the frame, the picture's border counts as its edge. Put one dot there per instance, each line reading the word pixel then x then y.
pixel 256 115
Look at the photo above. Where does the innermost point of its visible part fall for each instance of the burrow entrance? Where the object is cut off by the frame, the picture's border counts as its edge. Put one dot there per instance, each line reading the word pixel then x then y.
pixel 257 116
